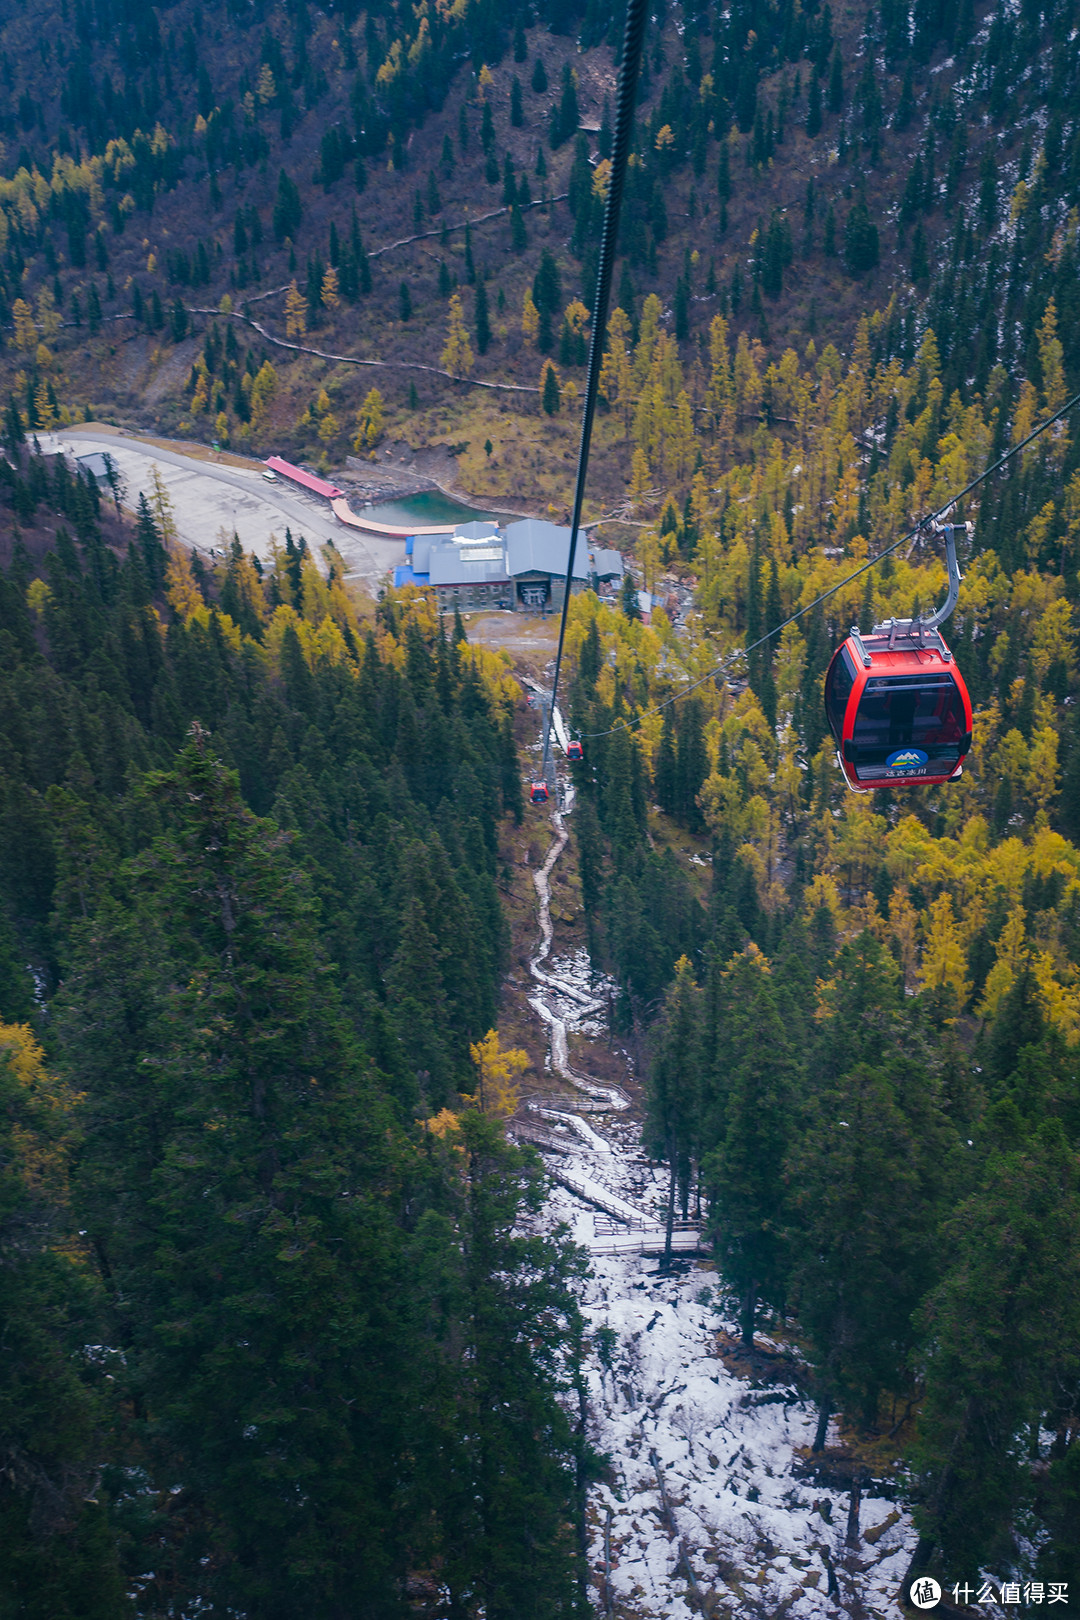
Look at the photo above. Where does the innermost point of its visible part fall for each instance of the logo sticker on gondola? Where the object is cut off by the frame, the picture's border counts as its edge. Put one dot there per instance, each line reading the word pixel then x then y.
pixel 905 759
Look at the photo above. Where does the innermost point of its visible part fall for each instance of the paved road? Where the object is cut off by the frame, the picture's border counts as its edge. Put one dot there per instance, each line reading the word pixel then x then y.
pixel 208 497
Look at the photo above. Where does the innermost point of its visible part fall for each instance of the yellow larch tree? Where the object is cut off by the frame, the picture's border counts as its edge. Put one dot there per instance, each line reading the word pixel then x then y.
pixel 944 959
pixel 530 319
pixel 48 314
pixel 682 444
pixel 26 335
pixel 369 422
pixel 457 355
pixel 577 316
pixel 648 551
pixel 330 288
pixel 1052 361
pixel 263 390
pixel 903 925
pixel 616 374
pixel 1041 777
pixel 43 404
pixel 640 478
pixel 1012 953
pixel 41 1110
pixel 200 397
pixel 719 393
pixel 1025 417
pixel 498 1070
pixel 1055 389
pixel 648 333
pixel 295 312
pixel 185 597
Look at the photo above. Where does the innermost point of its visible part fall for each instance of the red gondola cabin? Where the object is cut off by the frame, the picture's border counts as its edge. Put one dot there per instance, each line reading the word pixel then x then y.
pixel 898 707
pixel 574 749
pixel 538 793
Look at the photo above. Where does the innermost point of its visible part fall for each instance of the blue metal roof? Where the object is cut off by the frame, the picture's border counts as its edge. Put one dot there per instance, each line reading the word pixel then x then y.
pixel 404 575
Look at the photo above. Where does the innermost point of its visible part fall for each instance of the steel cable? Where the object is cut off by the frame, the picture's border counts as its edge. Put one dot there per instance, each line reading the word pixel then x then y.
pixel 633 39
pixel 925 523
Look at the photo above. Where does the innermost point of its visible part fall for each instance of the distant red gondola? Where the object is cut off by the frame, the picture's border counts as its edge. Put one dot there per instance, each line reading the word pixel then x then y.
pixel 896 703
pixel 574 749
pixel 538 793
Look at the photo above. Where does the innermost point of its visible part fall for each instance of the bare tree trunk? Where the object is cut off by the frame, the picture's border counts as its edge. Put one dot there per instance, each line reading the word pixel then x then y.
pixel 670 1199
pixel 928 1541
pixel 749 1312
pixel 852 1537
pixel 919 1560
pixel 582 1483
pixel 824 1414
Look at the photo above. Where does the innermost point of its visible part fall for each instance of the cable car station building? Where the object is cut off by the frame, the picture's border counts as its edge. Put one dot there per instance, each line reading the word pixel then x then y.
pixel 521 567
pixel 536 554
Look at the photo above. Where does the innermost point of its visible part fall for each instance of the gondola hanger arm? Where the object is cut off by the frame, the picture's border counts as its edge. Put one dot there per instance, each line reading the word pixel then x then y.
pixel 948 530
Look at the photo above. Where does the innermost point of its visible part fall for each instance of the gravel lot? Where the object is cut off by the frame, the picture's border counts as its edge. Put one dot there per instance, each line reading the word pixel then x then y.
pixel 209 497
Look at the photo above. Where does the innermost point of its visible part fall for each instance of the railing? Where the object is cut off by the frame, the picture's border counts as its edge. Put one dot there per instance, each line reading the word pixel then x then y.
pixel 537 1134
pixel 587 1191
pixel 568 1103
pixel 653 1241
pixel 608 1228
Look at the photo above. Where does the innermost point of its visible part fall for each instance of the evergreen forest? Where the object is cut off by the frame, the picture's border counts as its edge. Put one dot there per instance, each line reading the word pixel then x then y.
pixel 275 1338
pixel 284 1331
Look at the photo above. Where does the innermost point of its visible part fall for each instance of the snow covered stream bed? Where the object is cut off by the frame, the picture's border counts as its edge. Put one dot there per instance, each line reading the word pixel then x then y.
pixel 712 1503
pixel 759 1538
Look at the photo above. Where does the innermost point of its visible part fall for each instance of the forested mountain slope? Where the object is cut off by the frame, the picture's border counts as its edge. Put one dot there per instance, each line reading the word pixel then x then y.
pixel 265 1343
pixel 793 170
pixel 861 1034
pixel 244 833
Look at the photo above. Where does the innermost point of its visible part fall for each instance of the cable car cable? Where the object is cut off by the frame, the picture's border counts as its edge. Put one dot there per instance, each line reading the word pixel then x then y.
pixel 912 534
pixel 633 39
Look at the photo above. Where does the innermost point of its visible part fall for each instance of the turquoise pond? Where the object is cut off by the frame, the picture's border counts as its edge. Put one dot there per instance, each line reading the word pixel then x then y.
pixel 414 511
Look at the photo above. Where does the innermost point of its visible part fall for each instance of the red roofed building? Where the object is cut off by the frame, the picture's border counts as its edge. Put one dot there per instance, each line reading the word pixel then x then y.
pixel 306 480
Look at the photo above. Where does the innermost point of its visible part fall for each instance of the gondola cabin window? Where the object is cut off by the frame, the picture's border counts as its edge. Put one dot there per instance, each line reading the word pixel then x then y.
pixel 838 690
pixel 923 718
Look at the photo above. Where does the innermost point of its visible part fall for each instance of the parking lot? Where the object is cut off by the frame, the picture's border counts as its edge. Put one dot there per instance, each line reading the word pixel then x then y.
pixel 213 500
